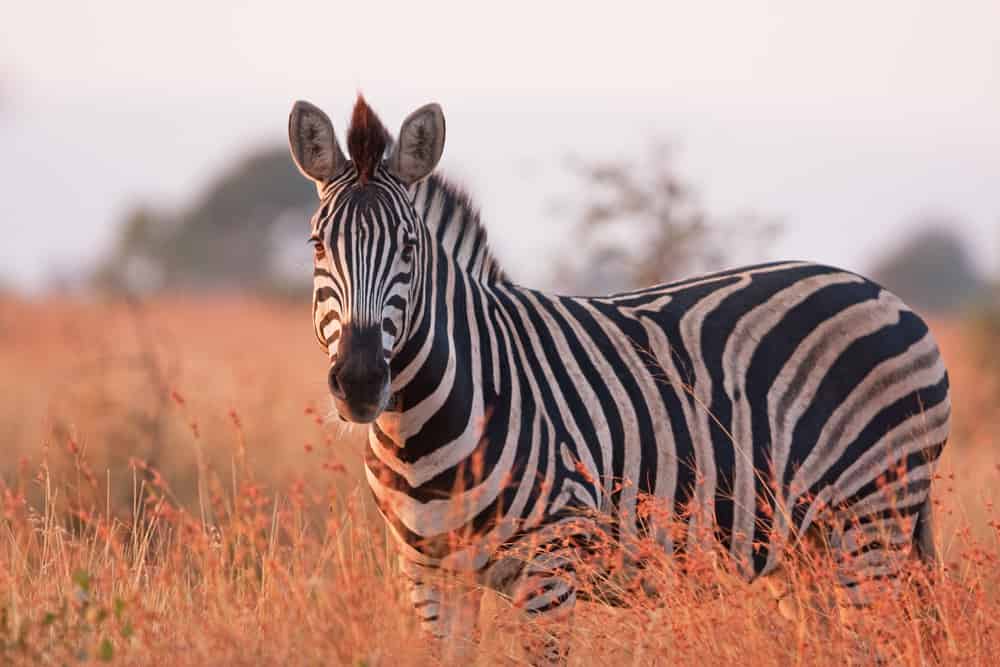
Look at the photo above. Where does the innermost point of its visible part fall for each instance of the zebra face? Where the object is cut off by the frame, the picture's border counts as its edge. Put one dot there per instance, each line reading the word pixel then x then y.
pixel 364 257
pixel 366 239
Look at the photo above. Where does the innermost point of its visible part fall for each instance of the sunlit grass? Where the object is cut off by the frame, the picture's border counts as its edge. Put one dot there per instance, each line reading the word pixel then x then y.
pixel 182 500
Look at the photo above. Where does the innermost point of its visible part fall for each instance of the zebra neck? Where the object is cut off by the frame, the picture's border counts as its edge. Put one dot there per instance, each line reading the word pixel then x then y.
pixel 443 374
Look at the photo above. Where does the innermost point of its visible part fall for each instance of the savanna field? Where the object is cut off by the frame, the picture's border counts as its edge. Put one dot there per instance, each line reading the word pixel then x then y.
pixel 175 491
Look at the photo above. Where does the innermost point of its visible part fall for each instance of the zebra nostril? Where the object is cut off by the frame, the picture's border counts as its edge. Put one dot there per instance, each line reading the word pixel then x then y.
pixel 336 388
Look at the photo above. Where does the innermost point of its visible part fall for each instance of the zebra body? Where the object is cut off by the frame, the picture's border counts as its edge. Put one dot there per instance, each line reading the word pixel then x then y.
pixel 751 403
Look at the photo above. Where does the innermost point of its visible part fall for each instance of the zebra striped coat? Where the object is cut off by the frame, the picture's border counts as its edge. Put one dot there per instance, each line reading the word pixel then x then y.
pixel 768 398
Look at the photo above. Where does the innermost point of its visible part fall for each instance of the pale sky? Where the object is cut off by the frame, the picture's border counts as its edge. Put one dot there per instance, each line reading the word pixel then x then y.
pixel 843 119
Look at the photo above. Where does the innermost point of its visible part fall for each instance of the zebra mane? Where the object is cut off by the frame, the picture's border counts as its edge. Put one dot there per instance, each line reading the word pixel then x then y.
pixel 366 139
pixel 454 221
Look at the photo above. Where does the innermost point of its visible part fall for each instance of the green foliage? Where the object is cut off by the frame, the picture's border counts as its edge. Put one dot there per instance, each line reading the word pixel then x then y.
pixel 82 581
pixel 79 628
pixel 105 650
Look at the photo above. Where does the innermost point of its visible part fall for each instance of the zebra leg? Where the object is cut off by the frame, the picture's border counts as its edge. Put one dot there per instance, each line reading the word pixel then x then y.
pixel 548 597
pixel 808 606
pixel 779 584
pixel 871 552
pixel 788 584
pixel 447 606
pixel 792 600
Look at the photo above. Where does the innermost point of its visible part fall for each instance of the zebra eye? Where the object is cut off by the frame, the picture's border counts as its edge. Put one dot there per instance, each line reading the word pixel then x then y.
pixel 407 252
pixel 319 249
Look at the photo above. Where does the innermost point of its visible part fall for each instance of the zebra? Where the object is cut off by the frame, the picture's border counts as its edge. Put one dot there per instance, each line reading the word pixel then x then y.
pixel 504 421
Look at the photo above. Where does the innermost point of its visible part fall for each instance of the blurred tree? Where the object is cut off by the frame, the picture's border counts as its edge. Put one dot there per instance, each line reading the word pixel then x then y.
pixel 932 270
pixel 983 328
pixel 135 264
pixel 640 224
pixel 228 240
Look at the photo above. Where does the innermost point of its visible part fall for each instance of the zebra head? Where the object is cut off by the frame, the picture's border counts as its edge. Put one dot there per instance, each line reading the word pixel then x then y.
pixel 367 237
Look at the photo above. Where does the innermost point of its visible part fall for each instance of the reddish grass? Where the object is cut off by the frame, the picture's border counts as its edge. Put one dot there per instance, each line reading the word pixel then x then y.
pixel 173 494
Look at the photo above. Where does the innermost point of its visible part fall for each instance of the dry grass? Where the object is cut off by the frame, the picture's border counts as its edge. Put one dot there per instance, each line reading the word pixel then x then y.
pixel 172 494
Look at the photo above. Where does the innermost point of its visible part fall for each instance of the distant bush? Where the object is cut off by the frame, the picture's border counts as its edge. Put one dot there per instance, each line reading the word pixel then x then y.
pixel 984 329
pixel 932 270
pixel 242 234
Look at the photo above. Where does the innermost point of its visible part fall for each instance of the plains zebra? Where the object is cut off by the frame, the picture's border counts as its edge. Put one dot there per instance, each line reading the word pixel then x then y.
pixel 769 396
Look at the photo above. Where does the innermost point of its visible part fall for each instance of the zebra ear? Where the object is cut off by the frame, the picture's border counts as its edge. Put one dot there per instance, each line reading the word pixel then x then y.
pixel 313 143
pixel 420 145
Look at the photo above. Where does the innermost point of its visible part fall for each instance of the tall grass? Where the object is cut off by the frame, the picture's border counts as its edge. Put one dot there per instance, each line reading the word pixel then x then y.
pixel 173 493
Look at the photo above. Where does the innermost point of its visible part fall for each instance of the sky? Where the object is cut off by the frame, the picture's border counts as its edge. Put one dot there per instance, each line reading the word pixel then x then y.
pixel 846 120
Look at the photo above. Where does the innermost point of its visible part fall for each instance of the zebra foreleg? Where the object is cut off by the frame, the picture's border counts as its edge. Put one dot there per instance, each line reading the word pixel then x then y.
pixel 447 607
